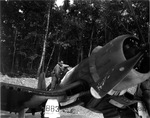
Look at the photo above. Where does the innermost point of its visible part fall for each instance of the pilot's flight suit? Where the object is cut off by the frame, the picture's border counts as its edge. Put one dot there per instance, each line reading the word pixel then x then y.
pixel 57 74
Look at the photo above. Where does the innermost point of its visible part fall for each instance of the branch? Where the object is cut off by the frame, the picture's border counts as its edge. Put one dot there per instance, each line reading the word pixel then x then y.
pixel 136 21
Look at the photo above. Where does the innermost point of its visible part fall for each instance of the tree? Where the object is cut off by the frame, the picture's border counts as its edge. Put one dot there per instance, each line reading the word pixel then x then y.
pixel 73 31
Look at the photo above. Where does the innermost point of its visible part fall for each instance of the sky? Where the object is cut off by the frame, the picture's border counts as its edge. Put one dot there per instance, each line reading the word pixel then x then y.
pixel 60 2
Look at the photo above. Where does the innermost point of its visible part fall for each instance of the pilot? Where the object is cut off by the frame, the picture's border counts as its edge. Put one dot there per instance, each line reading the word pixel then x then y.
pixel 57 74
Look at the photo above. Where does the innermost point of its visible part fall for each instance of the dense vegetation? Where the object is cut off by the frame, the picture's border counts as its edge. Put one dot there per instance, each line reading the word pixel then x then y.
pixel 70 31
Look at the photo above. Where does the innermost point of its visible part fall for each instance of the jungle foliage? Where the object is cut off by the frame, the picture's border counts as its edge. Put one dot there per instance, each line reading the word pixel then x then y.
pixel 73 30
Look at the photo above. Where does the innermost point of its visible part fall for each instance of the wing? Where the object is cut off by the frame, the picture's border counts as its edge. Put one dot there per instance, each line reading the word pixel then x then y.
pixel 15 98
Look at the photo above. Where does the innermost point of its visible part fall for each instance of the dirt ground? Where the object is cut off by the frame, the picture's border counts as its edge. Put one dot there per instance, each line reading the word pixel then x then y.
pixel 5 114
pixel 74 112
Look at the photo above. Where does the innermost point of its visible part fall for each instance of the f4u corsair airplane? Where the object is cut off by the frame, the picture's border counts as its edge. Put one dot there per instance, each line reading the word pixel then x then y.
pixel 109 71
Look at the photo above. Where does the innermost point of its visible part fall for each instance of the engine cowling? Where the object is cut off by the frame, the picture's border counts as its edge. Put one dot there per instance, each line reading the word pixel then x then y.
pixel 110 67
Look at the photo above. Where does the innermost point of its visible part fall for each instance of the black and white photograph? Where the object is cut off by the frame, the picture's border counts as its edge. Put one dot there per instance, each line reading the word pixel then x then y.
pixel 74 59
